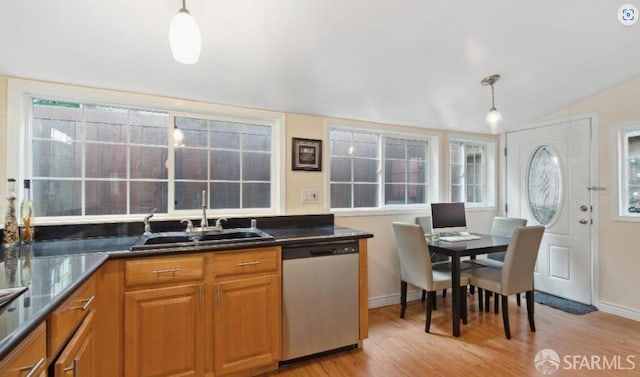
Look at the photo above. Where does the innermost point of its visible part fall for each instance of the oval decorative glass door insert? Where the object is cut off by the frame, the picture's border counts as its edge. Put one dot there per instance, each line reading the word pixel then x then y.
pixel 544 185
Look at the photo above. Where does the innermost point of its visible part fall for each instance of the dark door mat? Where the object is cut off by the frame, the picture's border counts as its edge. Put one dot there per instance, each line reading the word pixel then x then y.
pixel 563 304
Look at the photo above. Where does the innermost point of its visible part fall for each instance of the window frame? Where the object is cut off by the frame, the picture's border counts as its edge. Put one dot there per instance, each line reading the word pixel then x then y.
pixel 623 133
pixel 21 91
pixel 431 176
pixel 490 171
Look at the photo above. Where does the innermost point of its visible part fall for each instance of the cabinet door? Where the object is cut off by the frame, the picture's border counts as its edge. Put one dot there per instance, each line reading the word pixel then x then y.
pixel 247 324
pixel 164 332
pixel 79 357
pixel 29 358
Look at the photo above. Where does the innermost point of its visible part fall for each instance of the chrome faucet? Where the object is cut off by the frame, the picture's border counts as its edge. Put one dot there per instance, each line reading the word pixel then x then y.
pixel 189 225
pixel 204 222
pixel 147 225
pixel 218 226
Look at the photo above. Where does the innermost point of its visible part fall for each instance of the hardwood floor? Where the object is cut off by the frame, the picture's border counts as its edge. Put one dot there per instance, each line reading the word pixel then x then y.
pixel 398 347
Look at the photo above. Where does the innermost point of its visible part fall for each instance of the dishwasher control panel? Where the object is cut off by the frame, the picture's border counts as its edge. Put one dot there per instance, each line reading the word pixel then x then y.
pixel 319 250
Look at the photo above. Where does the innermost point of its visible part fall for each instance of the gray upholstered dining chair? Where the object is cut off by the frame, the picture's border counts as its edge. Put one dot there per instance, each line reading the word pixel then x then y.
pixel 439 262
pixel 500 227
pixel 416 269
pixel 517 273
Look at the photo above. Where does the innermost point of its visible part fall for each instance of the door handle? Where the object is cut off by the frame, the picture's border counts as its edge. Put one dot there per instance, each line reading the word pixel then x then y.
pixel 584 221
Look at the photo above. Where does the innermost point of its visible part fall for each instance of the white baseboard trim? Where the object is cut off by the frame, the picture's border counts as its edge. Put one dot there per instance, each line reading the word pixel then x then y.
pixel 380 301
pixel 619 310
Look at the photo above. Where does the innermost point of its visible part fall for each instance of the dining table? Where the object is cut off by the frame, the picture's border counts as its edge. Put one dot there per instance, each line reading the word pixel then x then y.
pixel 456 251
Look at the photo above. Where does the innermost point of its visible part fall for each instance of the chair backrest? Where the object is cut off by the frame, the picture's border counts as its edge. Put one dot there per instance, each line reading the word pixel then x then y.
pixel 413 252
pixel 425 223
pixel 504 227
pixel 520 259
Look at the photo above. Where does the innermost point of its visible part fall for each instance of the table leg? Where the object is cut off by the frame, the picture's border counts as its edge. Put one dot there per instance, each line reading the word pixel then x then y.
pixel 455 294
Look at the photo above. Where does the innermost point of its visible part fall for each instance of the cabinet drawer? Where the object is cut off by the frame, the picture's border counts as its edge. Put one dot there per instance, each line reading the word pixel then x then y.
pixel 28 358
pixel 266 260
pixel 163 270
pixel 65 320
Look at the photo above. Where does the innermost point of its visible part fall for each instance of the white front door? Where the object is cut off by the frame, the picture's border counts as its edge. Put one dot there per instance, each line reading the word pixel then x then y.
pixel 548 175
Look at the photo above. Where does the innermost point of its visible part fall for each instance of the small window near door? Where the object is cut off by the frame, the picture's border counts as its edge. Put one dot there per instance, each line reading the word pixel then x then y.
pixel 472 172
pixel 629 170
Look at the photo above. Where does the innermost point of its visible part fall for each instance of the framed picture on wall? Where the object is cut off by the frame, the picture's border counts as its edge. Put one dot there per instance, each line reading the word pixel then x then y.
pixel 306 154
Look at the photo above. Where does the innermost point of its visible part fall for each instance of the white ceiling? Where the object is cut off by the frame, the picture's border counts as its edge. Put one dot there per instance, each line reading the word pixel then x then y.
pixel 411 62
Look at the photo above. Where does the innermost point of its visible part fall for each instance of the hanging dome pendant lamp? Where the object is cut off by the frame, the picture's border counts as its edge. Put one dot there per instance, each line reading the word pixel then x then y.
pixel 494 118
pixel 184 37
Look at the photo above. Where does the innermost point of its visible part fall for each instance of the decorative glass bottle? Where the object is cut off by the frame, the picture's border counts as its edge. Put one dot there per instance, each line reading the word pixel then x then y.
pixel 11 236
pixel 26 213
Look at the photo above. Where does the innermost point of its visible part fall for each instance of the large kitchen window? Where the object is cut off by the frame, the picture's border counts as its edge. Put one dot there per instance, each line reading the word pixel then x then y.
pixel 99 160
pixel 629 171
pixel 375 170
pixel 471 172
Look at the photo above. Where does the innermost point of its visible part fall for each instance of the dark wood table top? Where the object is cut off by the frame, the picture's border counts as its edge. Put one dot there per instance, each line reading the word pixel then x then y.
pixel 486 244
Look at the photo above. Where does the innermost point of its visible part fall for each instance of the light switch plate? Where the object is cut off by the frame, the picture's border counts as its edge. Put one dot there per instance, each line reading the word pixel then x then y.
pixel 310 196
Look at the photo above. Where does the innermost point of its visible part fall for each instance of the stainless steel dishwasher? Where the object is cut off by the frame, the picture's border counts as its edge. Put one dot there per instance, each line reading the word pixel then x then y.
pixel 320 289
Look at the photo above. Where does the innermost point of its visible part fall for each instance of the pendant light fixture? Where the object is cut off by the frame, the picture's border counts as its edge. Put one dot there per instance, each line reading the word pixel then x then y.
pixel 184 37
pixel 494 118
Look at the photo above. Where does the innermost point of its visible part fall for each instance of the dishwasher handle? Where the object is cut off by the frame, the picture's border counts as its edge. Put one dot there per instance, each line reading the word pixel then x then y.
pixel 321 253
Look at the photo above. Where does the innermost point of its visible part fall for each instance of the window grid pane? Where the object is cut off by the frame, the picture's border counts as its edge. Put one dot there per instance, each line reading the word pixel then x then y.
pixel 104 150
pixel 405 171
pixel 97 160
pixel 355 161
pixel 468 172
pixel 230 160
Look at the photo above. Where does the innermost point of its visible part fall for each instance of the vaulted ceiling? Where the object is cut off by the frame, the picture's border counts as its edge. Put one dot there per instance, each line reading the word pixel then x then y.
pixel 410 62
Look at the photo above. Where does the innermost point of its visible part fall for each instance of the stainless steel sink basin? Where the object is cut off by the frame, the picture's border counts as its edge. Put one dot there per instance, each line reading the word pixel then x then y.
pixel 165 240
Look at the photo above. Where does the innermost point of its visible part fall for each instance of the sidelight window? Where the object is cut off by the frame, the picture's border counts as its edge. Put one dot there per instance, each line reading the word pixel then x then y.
pixel 629 168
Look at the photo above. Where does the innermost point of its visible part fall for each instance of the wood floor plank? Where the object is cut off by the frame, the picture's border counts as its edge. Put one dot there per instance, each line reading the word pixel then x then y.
pixel 400 347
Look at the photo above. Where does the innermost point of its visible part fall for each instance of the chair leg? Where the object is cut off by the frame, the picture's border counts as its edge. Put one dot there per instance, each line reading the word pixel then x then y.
pixel 487 298
pixel 431 298
pixel 444 293
pixel 518 298
pixel 424 294
pixel 495 303
pixel 505 316
pixel 463 302
pixel 403 298
pixel 530 305
pixel 480 306
pixel 433 301
pixel 472 289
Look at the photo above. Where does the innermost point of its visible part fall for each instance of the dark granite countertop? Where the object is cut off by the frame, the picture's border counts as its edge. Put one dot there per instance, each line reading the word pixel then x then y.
pixel 53 269
pixel 51 279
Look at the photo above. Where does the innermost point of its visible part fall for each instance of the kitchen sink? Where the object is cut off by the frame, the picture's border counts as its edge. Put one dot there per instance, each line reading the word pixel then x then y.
pixel 163 240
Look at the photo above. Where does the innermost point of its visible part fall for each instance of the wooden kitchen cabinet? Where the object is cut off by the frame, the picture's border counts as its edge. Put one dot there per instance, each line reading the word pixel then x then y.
pixel 71 334
pixel 29 358
pixel 164 317
pixel 247 311
pixel 79 357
